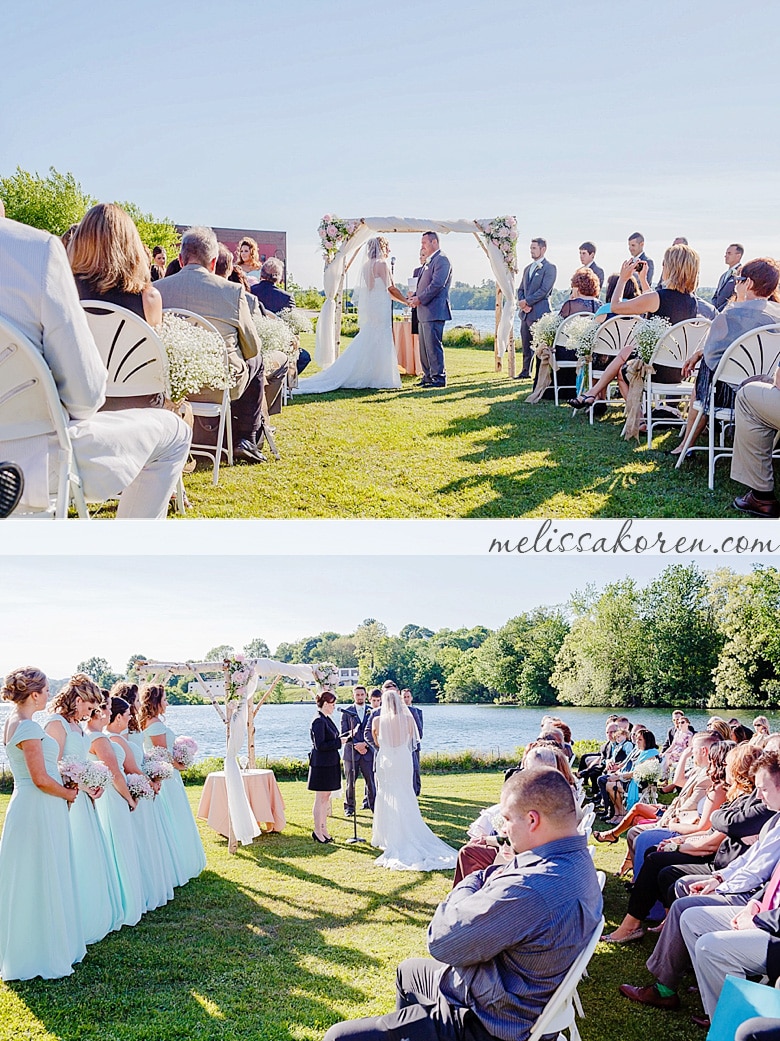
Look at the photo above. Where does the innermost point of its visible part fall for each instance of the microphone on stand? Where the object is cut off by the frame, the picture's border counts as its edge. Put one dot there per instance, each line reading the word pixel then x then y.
pixel 392 265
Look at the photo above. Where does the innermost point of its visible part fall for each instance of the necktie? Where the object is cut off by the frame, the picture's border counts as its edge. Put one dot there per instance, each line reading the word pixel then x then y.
pixel 771 897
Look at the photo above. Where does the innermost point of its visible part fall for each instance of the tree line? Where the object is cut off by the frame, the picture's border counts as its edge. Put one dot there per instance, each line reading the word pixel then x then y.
pixel 690 638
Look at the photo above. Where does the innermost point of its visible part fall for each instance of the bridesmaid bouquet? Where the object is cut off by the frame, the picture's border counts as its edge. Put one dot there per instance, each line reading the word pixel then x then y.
pixel 184 751
pixel 72 771
pixel 96 775
pixel 139 786
pixel 156 767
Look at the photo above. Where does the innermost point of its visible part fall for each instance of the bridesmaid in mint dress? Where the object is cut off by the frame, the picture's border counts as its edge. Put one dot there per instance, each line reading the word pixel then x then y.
pixel 40 921
pixel 157 891
pixel 173 797
pixel 114 809
pixel 97 881
pixel 134 737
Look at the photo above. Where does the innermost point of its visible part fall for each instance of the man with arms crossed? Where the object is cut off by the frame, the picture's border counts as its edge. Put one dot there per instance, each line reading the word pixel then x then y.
pixel 505 937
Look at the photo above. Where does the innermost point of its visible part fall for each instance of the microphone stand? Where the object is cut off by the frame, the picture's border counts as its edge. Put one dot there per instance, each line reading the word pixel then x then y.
pixel 355 837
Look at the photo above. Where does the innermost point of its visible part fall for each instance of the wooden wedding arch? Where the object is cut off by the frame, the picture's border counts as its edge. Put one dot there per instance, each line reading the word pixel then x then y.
pixel 341 240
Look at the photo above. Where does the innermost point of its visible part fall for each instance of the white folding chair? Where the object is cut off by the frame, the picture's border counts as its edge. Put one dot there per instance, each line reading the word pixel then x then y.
pixel 753 354
pixel 562 341
pixel 208 409
pixel 133 354
pixel 673 349
pixel 564 1005
pixel 612 337
pixel 30 407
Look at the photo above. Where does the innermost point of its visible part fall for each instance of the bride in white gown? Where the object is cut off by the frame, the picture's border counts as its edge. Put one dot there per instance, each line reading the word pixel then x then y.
pixel 399 830
pixel 370 361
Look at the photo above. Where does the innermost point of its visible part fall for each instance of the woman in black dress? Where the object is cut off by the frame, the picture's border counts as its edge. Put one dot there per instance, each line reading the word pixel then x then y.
pixel 324 763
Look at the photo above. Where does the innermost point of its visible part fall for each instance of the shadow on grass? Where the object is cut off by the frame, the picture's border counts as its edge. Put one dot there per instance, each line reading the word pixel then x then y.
pixel 215 963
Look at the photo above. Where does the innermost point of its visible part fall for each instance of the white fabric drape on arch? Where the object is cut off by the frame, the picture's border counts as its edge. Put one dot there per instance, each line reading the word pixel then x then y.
pixel 325 341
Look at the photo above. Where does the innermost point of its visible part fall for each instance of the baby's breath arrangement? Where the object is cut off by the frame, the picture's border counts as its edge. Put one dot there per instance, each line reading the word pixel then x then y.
pixel 195 357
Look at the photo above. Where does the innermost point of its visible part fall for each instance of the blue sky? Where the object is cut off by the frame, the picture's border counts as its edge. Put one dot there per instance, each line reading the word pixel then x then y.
pixel 59 611
pixel 587 121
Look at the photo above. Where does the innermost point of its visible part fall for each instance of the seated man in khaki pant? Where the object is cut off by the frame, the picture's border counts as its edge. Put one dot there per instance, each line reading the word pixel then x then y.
pixel 757 421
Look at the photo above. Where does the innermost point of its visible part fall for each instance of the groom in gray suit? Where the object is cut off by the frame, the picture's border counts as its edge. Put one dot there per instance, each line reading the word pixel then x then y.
pixel 432 301
pixel 533 298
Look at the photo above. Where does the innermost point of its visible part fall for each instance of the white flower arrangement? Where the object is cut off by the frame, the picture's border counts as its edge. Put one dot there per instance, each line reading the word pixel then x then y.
pixel 96 775
pixel 274 335
pixel 544 329
pixel 238 675
pixel 326 674
pixel 582 335
pixel 139 786
pixel 184 751
pixel 502 232
pixel 156 768
pixel 298 322
pixel 647 333
pixel 334 232
pixel 196 357
pixel 648 772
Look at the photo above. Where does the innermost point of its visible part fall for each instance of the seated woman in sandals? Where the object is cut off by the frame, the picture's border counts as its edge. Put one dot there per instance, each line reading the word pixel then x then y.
pixel 674 300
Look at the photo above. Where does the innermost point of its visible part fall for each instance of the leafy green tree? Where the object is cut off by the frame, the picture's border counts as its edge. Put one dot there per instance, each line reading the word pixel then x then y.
pixel 154 231
pixel 465 683
pixel 680 638
pixel 99 671
pixel 415 632
pixel 367 637
pixel 518 659
pixel 600 660
pixel 748 670
pixel 285 652
pixel 220 652
pixel 256 648
pixel 51 203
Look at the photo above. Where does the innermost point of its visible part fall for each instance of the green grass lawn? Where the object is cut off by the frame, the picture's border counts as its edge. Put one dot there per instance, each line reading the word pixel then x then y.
pixel 473 449
pixel 287 937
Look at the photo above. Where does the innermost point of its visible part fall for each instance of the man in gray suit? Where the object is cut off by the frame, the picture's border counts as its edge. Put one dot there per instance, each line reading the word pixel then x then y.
pixel 533 298
pixel 726 283
pixel 196 288
pixel 636 247
pixel 432 300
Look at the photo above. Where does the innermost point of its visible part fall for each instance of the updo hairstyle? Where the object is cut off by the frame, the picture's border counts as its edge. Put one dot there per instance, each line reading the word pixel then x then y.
pixel 151 698
pixel 21 683
pixel 78 686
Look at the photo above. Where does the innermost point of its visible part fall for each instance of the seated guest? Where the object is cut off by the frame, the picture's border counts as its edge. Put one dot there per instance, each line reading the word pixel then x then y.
pixel 275 299
pixel 138 453
pixel 505 937
pixel 196 288
pixel 756 423
pixel 761 725
pixel 159 262
pixel 732 887
pixel 585 289
pixel 109 263
pixel 675 301
pixel 624 749
pixel 757 304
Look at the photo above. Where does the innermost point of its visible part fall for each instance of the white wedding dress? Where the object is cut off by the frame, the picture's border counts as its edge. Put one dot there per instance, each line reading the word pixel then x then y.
pixel 371 360
pixel 399 830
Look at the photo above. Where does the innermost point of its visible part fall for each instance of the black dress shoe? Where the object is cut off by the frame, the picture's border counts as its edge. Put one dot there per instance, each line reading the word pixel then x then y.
pixel 248 452
pixel 757 507
pixel 423 383
pixel 524 375
pixel 349 813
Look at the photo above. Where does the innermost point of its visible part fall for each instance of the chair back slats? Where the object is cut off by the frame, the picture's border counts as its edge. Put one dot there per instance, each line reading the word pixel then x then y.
pixel 131 350
pixel 614 334
pixel 754 354
pixel 681 342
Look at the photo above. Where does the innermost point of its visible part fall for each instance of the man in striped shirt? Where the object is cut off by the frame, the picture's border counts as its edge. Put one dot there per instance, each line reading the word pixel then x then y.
pixel 505 937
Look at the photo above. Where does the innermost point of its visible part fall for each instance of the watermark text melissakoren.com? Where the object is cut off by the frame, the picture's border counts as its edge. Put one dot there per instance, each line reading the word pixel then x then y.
pixel 552 537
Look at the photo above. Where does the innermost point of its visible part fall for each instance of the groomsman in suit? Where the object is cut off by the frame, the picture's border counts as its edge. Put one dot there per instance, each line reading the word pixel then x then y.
pixel 533 298
pixel 358 754
pixel 406 694
pixel 636 247
pixel 432 300
pixel 588 259
pixel 727 284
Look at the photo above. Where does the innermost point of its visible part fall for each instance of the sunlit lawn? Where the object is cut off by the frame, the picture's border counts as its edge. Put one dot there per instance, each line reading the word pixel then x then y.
pixel 473 449
pixel 286 938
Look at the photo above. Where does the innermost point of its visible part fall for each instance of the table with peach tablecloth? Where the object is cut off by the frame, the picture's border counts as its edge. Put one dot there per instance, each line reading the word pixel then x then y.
pixel 263 793
pixel 407 348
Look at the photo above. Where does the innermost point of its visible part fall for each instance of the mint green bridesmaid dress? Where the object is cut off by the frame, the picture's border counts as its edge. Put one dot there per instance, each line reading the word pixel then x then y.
pixel 40 921
pixel 156 873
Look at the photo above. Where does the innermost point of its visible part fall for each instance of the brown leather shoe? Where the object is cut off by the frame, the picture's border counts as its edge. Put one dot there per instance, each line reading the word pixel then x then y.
pixel 701 1021
pixel 649 996
pixel 757 507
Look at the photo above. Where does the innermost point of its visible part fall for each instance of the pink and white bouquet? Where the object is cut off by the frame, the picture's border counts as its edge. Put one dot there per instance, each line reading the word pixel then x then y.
pixel 72 771
pixel 184 751
pixel 157 767
pixel 96 775
pixel 502 232
pixel 139 786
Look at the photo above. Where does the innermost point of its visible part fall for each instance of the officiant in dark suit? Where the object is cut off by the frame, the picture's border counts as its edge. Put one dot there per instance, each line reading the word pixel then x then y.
pixel 726 283
pixel 533 298
pixel 358 753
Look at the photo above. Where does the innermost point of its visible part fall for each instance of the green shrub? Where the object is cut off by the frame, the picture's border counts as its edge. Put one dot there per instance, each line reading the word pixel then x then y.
pixel 460 336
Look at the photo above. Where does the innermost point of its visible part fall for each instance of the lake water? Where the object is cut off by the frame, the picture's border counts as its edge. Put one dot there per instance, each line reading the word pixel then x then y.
pixel 283 730
pixel 484 321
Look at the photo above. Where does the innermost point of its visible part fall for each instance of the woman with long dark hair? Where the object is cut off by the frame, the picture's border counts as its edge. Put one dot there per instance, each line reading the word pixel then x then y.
pixel 324 763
